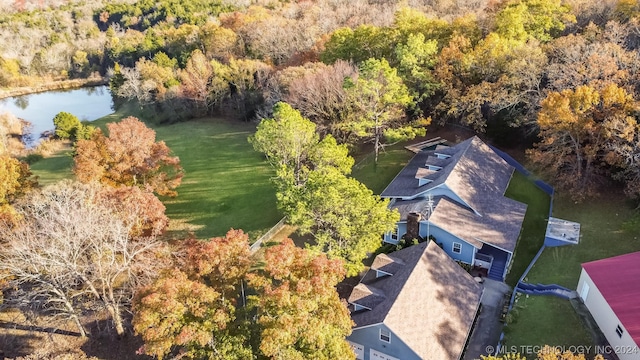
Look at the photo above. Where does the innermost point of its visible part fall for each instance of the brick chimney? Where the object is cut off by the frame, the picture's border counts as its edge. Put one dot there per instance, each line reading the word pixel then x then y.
pixel 413 226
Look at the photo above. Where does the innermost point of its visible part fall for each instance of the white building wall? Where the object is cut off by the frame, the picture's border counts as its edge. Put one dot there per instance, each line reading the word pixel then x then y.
pixel 607 319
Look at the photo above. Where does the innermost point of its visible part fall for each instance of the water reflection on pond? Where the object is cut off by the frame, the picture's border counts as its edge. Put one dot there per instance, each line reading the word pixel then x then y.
pixel 39 109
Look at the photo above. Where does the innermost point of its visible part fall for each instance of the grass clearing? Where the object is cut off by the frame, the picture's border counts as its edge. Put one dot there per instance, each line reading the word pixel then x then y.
pixel 390 162
pixel 544 320
pixel 52 169
pixel 226 183
pixel 604 233
pixel 534 225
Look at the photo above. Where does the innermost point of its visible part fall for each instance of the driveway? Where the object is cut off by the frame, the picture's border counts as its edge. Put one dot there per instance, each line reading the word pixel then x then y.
pixel 488 327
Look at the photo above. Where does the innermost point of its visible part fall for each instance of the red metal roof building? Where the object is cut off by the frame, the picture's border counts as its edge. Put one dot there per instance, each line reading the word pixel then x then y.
pixel 610 288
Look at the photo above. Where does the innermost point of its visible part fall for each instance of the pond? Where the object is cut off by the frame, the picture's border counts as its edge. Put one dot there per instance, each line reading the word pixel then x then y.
pixel 39 109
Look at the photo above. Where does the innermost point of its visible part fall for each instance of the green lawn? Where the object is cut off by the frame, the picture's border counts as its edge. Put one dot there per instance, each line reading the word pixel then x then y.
pixel 226 184
pixel 390 162
pixel 534 225
pixel 54 168
pixel 549 320
pixel 603 234
pixel 544 320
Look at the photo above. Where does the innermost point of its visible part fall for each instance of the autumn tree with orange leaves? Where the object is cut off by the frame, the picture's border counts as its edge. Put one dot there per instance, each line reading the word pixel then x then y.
pixel 129 156
pixel 576 127
pixel 299 313
pixel 197 308
pixel 15 181
pixel 194 305
pixel 142 209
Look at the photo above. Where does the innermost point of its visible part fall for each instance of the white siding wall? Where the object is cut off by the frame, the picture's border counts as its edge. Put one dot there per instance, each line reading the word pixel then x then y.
pixel 606 318
pixel 357 349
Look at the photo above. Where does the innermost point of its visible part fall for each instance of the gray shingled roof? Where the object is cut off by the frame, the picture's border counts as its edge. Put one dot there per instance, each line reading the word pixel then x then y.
pixel 430 302
pixel 421 206
pixel 479 177
pixel 387 263
pixel 499 224
pixel 367 296
pixel 405 184
pixel 473 171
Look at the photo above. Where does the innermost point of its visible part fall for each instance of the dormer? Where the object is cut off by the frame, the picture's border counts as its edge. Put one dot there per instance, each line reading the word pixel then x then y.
pixel 385 265
pixel 365 297
pixel 442 156
pixel 434 167
pixel 422 175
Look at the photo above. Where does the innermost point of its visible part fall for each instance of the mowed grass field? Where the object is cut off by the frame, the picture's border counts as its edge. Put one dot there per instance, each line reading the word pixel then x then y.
pixel 226 183
pixel 534 225
pixel 606 231
pixel 390 162
pixel 53 169
pixel 544 320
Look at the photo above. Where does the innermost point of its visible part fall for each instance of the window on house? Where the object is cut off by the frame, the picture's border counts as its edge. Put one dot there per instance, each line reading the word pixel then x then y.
pixel 619 331
pixel 457 248
pixel 394 234
pixel 358 349
pixel 385 335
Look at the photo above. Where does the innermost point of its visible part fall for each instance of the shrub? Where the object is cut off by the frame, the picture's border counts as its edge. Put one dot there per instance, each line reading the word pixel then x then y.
pixel 33 158
pixel 66 125
pixel 84 132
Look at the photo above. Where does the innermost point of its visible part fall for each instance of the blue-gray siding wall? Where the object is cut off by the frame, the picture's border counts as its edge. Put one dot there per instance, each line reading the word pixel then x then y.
pixel 402 229
pixel 447 240
pixel 369 337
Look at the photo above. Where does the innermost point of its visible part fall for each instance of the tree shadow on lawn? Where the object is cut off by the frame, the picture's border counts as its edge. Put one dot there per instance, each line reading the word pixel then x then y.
pixel 207 215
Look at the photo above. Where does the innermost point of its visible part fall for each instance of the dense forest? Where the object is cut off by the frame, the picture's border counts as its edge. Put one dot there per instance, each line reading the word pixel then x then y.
pixel 324 79
pixel 560 75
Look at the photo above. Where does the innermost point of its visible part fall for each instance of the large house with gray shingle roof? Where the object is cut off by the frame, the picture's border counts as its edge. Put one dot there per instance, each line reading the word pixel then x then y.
pixel 456 195
pixel 415 303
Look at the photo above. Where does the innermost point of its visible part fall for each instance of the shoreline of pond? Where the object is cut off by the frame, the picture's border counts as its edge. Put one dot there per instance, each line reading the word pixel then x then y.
pixel 53 86
pixel 87 103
